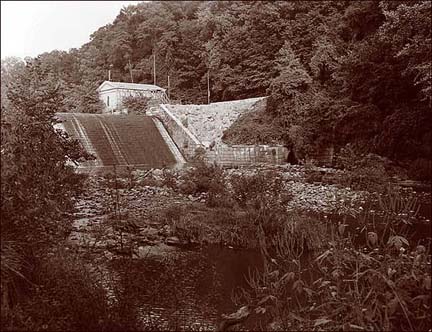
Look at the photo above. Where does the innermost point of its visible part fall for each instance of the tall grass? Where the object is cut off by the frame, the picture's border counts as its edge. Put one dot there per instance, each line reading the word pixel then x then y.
pixel 383 286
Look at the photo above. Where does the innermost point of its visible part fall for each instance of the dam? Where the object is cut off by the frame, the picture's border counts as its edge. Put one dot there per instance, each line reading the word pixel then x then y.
pixel 123 141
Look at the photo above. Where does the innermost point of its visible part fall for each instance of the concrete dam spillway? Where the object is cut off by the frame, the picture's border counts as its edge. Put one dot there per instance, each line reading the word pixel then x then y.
pixel 121 140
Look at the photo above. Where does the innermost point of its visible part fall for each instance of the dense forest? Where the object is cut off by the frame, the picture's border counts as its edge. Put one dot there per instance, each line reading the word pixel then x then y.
pixel 336 72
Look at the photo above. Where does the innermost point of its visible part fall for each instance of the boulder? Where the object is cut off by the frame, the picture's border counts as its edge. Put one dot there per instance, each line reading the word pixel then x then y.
pixel 173 241
pixel 159 250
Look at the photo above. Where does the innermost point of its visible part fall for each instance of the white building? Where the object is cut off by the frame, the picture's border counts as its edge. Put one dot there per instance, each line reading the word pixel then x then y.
pixel 112 94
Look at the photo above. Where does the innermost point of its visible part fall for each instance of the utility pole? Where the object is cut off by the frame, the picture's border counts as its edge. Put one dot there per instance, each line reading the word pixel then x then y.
pixel 109 72
pixel 208 86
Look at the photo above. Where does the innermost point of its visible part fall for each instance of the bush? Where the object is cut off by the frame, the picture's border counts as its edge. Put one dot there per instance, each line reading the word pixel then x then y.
pixel 169 180
pixel 420 170
pixel 65 289
pixel 261 189
pixel 136 104
pixel 312 174
pixel 368 172
pixel 36 183
pixel 201 178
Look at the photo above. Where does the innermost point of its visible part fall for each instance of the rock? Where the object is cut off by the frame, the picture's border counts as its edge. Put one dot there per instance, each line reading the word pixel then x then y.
pixel 108 255
pixel 149 231
pixel 157 173
pixel 111 243
pixel 173 241
pixel 159 250
pixel 100 245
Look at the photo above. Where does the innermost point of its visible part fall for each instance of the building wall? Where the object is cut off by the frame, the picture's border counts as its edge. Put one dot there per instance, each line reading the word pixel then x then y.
pixel 113 99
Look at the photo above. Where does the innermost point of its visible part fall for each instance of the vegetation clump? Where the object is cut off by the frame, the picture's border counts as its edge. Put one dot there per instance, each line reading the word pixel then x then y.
pixel 136 104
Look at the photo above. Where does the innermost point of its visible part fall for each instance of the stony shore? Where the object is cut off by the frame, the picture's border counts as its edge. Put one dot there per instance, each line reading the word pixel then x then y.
pixel 130 220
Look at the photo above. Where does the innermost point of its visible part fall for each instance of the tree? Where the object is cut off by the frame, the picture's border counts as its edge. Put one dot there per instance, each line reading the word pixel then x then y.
pixel 10 67
pixel 408 29
pixel 36 183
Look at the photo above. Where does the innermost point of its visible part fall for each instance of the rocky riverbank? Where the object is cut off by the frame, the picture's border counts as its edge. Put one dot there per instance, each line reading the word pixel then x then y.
pixel 145 213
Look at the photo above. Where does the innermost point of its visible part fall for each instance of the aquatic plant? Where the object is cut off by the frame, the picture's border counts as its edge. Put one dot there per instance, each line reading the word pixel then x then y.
pixel 382 287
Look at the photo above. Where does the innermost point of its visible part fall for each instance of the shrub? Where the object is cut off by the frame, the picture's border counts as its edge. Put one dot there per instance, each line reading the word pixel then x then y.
pixel 261 189
pixel 68 291
pixel 136 104
pixel 364 172
pixel 420 170
pixel 312 174
pixel 36 184
pixel 201 178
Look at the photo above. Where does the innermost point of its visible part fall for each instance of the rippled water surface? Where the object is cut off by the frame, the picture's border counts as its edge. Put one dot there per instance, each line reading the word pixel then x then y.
pixel 183 289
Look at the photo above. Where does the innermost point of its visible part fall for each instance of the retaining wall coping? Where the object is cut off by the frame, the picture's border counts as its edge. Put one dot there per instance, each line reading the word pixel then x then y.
pixel 178 122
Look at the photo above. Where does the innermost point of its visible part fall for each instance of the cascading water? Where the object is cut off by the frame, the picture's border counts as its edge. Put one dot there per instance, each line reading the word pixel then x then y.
pixel 119 140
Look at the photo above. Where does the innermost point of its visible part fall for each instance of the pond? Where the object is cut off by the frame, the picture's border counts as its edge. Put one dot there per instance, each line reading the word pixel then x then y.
pixel 183 289
pixel 171 288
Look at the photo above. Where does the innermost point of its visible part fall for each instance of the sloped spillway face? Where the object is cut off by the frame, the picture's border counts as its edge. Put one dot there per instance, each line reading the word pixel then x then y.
pixel 120 140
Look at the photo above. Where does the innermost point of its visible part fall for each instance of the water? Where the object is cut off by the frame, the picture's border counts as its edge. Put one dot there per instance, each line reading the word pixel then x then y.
pixel 119 140
pixel 184 289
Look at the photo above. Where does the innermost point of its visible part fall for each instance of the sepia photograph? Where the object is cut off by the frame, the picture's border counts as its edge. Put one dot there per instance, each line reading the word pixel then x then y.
pixel 216 165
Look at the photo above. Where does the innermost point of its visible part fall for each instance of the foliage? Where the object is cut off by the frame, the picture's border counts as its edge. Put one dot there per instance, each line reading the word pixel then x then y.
pixel 379 287
pixel 35 179
pixel 368 172
pixel 201 178
pixel 136 104
pixel 261 189
pixel 37 184
pixel 255 127
pixel 420 169
pixel 67 290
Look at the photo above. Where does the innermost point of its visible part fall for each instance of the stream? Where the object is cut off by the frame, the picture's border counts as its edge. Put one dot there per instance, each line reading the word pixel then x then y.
pixel 167 287
pixel 182 289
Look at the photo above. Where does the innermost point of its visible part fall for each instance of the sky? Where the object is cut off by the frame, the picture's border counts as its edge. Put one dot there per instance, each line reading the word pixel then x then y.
pixel 29 28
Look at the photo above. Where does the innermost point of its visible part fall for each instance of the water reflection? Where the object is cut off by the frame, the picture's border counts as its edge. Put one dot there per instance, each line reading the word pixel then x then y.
pixel 183 290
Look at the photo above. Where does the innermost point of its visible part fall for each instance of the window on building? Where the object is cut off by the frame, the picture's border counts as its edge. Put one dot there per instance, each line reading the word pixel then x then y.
pixel 107 100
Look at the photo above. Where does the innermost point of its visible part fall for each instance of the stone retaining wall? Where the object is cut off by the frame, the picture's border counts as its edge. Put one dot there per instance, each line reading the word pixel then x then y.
pixel 186 142
pixel 241 155
pixel 221 154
